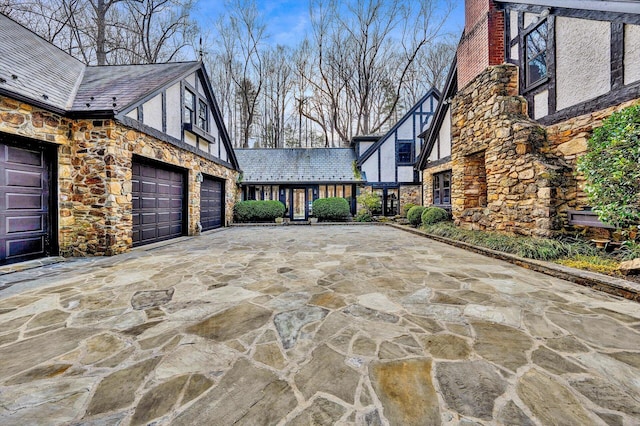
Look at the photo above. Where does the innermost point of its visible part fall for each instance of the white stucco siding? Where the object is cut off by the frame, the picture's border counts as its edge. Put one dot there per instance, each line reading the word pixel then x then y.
pixel 444 135
pixel 513 24
pixel 515 52
pixel 133 114
pixel 190 139
pixel 174 111
pixel 388 159
pixel 530 18
pixel 364 146
pixel 541 105
pixel 223 153
pixel 405 131
pixel 370 168
pixel 583 56
pixel 405 174
pixel 631 53
pixel 201 90
pixel 191 79
pixel 152 112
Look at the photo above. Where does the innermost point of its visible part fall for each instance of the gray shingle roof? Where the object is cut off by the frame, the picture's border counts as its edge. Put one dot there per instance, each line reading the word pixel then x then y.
pixel 43 72
pixel 290 165
pixel 127 83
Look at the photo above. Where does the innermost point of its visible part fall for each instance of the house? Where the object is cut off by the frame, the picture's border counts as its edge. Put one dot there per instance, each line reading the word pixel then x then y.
pixel 387 162
pixel 531 80
pixel 298 176
pixel 97 159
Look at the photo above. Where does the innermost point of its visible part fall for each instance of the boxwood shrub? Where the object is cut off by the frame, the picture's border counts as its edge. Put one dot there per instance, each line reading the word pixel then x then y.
pixel 406 207
pixel 432 215
pixel 414 215
pixel 258 211
pixel 331 209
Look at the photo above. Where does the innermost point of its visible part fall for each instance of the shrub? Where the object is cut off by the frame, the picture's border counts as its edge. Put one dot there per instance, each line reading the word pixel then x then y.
pixel 432 215
pixel 334 208
pixel 258 211
pixel 610 167
pixel 370 201
pixel 363 216
pixel 414 215
pixel 406 207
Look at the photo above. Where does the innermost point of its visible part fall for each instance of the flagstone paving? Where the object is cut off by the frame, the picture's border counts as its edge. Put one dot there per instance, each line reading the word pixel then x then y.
pixel 312 325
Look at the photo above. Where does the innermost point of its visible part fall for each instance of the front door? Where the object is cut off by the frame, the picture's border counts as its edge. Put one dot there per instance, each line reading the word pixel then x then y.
pixel 299 204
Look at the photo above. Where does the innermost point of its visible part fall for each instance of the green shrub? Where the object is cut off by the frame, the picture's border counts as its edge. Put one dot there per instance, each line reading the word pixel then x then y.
pixel 432 215
pixel 370 201
pixel 610 167
pixel 414 215
pixel 363 216
pixel 258 211
pixel 405 208
pixel 333 208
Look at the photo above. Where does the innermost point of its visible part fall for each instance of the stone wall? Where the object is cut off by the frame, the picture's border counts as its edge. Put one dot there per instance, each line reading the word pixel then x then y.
pixel 501 178
pixel 427 181
pixel 410 194
pixel 94 175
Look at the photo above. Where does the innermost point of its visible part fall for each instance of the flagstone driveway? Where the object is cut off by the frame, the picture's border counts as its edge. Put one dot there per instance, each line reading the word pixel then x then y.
pixel 312 325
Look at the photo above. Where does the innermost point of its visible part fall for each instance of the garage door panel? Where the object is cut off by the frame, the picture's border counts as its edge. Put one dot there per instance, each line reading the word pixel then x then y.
pixel 21 156
pixel 211 202
pixel 24 224
pixel 25 230
pixel 159 214
pixel 24 201
pixel 24 179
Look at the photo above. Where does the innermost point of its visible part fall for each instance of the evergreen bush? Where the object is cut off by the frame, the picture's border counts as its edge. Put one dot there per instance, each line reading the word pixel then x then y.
pixel 331 209
pixel 406 207
pixel 611 167
pixel 414 215
pixel 432 215
pixel 258 211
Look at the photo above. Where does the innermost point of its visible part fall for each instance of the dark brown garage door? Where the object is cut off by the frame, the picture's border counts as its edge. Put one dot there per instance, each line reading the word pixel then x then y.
pixel 24 203
pixel 211 202
pixel 158 203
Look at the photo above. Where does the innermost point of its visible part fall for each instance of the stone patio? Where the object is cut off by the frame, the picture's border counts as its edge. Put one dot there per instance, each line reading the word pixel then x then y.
pixel 312 325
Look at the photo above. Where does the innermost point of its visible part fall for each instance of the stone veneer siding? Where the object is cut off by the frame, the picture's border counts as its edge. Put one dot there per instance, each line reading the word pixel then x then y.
pixel 94 175
pixel 410 194
pixel 490 128
pixel 427 181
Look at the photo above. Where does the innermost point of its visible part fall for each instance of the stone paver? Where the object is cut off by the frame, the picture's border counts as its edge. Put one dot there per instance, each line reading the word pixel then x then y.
pixel 312 325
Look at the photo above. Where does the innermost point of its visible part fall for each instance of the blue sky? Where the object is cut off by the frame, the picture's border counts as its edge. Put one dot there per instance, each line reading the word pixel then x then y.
pixel 288 20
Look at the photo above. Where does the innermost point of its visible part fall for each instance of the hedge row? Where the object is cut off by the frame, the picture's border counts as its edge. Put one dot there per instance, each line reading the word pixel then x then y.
pixel 258 211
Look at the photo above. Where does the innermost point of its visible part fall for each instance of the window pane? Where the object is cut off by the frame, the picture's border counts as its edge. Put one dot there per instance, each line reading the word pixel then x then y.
pixel 188 106
pixel 404 152
pixel 339 191
pixel 202 115
pixel 536 51
pixel 330 191
pixel 275 193
pixel 322 191
pixel 347 192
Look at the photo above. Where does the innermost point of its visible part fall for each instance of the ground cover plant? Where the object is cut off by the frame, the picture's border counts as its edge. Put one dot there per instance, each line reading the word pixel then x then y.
pixel 572 251
pixel 258 211
pixel 333 208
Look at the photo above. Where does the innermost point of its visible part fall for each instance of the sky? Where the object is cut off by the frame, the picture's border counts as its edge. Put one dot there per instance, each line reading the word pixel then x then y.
pixel 288 20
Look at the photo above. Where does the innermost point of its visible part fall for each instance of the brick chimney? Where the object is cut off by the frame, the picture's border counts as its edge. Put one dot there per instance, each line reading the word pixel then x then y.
pixel 482 43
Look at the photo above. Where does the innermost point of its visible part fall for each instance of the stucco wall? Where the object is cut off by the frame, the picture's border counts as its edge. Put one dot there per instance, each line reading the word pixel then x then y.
pixel 174 111
pixel 631 53
pixel 583 56
pixel 152 112
pixel 388 158
pixel 370 168
pixel 405 174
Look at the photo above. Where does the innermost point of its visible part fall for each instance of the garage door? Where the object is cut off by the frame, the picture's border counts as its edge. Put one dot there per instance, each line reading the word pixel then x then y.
pixel 158 203
pixel 24 203
pixel 211 196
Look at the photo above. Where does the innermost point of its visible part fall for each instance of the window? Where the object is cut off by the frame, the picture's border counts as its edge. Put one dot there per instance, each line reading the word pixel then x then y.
pixel 189 106
pixel 442 189
pixel 405 152
pixel 202 115
pixel 536 54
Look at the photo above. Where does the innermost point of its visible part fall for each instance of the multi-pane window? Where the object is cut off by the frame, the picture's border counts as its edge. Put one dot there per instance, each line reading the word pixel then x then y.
pixel 202 115
pixel 405 152
pixel 442 189
pixel 189 106
pixel 536 53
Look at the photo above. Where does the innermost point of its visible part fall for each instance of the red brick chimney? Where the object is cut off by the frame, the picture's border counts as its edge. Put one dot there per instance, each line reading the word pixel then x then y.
pixel 482 43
